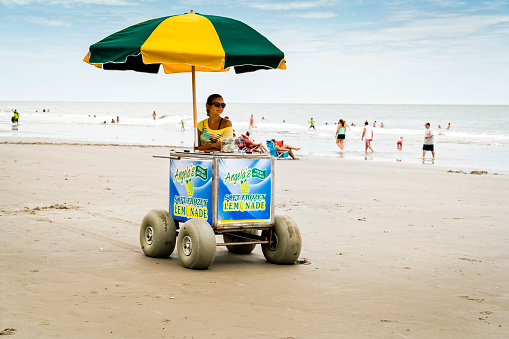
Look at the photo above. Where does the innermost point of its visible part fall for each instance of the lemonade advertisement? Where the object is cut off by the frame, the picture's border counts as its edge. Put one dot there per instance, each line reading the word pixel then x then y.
pixel 191 190
pixel 244 191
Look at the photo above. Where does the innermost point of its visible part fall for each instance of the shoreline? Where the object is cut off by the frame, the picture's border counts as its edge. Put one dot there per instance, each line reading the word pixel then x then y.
pixel 367 157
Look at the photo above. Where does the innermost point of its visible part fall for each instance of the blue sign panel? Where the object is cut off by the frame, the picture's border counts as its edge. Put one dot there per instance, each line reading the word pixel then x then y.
pixel 244 190
pixel 191 190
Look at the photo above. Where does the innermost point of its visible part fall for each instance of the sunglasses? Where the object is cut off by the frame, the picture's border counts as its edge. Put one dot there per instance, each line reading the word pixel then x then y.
pixel 218 104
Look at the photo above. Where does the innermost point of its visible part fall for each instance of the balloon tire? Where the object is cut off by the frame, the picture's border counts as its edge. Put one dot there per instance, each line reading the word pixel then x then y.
pixel 158 234
pixel 201 241
pixel 287 242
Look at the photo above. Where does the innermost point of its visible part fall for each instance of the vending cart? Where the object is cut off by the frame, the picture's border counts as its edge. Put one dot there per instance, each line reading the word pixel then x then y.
pixel 226 194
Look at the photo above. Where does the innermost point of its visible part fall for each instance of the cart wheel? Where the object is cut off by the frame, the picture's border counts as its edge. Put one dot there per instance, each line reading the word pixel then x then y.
pixel 239 249
pixel 285 245
pixel 196 244
pixel 158 234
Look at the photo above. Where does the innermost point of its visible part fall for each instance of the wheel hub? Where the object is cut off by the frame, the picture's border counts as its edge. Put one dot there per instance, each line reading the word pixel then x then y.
pixel 273 241
pixel 187 245
pixel 149 235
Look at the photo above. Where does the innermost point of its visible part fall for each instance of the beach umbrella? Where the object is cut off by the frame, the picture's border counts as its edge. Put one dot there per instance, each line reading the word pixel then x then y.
pixel 186 43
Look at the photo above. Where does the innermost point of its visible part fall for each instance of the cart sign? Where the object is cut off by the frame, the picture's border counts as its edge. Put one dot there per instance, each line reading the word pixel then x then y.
pixel 244 190
pixel 191 190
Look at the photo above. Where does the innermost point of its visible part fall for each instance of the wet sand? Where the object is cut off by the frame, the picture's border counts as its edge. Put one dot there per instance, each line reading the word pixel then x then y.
pixel 389 251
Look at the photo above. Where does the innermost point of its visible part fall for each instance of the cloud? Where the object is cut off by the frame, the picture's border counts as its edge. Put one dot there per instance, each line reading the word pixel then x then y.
pixel 446 3
pixel 67 3
pixel 313 15
pixel 37 20
pixel 440 42
pixel 287 6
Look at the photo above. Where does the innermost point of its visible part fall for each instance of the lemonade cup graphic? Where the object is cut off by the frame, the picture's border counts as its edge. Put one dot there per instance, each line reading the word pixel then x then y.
pixel 190 188
pixel 245 186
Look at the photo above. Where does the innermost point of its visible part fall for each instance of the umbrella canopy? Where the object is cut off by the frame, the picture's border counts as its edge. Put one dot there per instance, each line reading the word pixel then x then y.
pixel 210 43
pixel 186 43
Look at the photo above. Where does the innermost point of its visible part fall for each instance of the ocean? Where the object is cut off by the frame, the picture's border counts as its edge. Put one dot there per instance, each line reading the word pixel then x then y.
pixel 477 140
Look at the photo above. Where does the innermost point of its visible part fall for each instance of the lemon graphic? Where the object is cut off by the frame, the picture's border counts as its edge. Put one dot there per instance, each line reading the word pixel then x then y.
pixel 190 188
pixel 245 187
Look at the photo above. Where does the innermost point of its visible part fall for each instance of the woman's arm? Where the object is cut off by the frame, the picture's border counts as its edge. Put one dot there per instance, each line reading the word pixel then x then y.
pixel 210 147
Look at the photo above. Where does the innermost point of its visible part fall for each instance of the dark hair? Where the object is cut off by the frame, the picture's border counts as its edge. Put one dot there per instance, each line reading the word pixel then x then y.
pixel 366 123
pixel 247 133
pixel 210 101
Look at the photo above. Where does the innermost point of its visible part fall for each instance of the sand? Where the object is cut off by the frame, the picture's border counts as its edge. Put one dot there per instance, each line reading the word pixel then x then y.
pixel 389 251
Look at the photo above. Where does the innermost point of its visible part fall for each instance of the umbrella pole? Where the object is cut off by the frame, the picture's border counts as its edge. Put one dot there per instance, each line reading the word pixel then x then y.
pixel 194 110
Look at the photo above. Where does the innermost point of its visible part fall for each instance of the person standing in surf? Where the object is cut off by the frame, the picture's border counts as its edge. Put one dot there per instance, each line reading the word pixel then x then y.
pixel 15 117
pixel 428 141
pixel 312 124
pixel 340 133
pixel 368 133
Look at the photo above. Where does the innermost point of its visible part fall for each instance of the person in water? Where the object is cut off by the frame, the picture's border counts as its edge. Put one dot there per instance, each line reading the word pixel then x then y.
pixel 399 144
pixel 368 133
pixel 212 129
pixel 340 133
pixel 312 124
pixel 15 117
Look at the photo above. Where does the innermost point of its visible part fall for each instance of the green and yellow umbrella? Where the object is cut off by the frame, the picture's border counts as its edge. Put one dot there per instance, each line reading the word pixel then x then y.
pixel 186 43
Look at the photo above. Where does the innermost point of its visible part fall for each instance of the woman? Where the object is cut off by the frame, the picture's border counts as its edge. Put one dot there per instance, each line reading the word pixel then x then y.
pixel 340 133
pixel 285 148
pixel 212 129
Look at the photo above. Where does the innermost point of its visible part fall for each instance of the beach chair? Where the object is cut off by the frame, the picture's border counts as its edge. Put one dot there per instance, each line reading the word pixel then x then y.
pixel 248 146
pixel 274 152
pixel 241 145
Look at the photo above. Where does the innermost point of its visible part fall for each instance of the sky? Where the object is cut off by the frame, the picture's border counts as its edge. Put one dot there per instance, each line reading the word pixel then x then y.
pixel 337 52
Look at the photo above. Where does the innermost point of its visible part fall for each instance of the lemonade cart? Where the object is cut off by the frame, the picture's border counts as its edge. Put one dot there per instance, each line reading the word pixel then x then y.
pixel 225 194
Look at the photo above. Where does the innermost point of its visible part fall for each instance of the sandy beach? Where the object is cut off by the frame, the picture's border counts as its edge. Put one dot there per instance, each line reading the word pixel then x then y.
pixel 390 250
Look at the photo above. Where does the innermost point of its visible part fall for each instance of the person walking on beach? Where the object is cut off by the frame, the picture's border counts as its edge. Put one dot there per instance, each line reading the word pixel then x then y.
pixel 312 124
pixel 182 128
pixel 154 115
pixel 118 119
pixel 251 122
pixel 340 133
pixel 428 141
pixel 368 133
